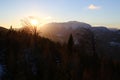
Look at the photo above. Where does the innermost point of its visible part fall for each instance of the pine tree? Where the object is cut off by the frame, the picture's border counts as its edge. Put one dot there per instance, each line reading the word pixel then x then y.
pixel 70 43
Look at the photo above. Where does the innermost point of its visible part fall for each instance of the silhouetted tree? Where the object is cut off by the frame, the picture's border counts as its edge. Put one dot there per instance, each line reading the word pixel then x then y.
pixel 70 44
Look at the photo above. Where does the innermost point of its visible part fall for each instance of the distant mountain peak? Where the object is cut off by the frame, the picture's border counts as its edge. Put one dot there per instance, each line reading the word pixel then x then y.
pixel 69 24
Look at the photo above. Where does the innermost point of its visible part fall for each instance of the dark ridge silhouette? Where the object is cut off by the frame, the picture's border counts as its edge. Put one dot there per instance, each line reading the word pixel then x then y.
pixel 3 30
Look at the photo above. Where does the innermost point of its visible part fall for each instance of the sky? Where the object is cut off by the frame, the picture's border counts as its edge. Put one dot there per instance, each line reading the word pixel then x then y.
pixel 94 12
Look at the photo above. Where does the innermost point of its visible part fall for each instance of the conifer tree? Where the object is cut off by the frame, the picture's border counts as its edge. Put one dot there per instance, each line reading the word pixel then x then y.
pixel 70 43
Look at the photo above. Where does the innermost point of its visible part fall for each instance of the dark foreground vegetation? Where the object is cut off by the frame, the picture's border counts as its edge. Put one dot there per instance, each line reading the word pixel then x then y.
pixel 28 56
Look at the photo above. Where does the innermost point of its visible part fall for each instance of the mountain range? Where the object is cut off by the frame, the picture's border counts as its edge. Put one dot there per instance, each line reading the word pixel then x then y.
pixel 107 40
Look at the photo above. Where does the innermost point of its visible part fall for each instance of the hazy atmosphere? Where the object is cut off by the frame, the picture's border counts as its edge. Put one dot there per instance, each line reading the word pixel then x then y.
pixel 59 40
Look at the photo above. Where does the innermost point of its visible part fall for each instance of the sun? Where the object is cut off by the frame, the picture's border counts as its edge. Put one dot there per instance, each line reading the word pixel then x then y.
pixel 34 22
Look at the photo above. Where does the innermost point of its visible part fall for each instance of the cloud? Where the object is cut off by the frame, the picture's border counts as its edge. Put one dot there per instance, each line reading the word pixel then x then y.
pixel 48 18
pixel 93 7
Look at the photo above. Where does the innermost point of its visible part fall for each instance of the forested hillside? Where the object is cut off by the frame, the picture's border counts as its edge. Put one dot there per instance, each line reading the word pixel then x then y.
pixel 26 55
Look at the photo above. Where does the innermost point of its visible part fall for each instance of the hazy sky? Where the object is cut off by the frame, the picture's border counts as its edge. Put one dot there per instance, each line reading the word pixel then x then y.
pixel 94 12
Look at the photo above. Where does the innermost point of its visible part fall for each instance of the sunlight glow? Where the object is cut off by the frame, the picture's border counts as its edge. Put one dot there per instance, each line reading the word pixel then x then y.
pixel 34 22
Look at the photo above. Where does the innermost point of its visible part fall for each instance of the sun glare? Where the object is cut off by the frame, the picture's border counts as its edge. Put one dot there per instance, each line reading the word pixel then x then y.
pixel 34 22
